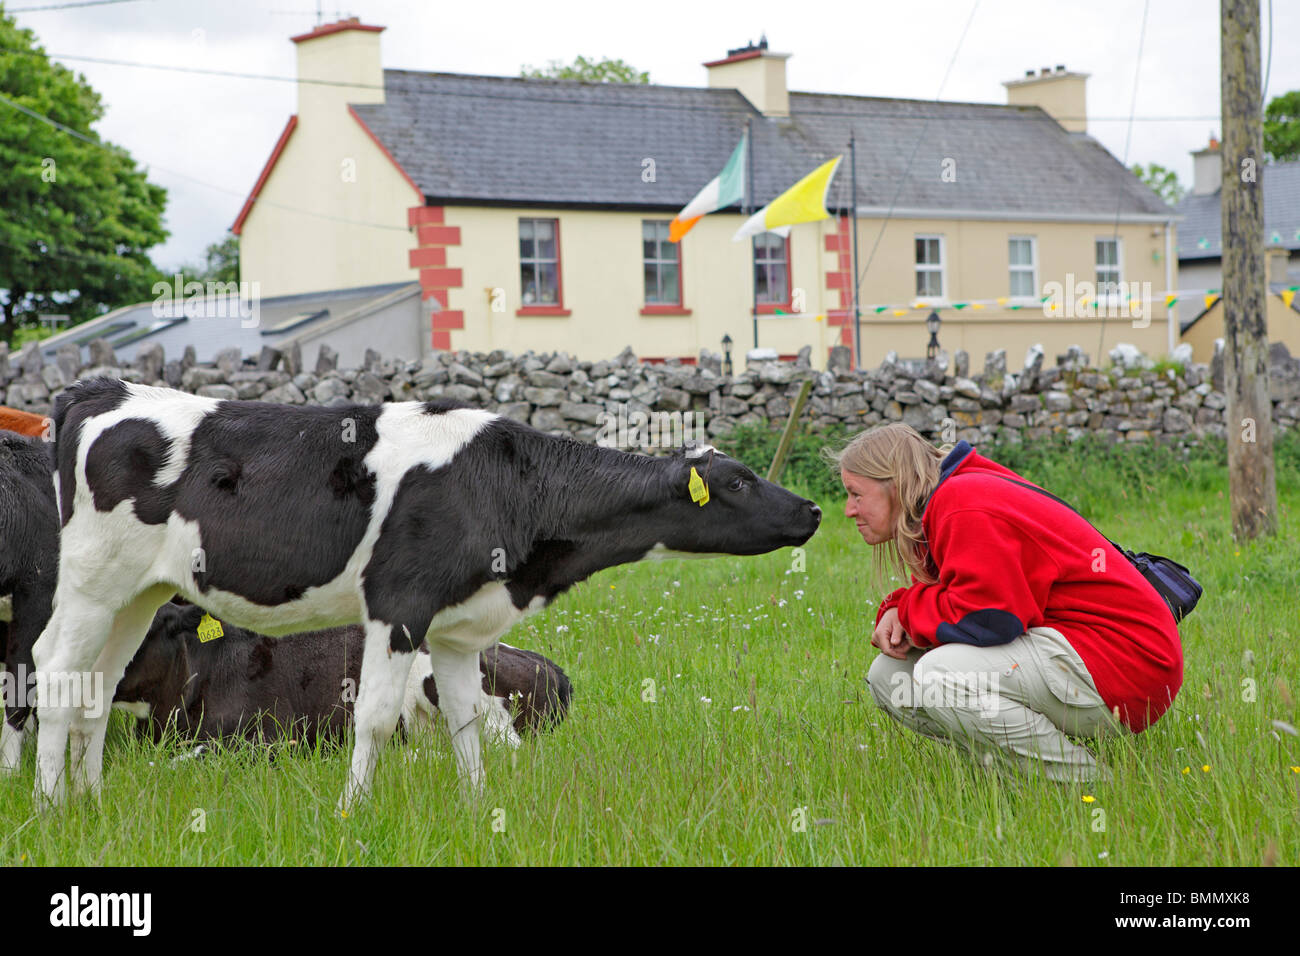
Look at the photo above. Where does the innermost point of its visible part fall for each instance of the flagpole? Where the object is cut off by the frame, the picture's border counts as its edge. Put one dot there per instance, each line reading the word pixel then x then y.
pixel 749 211
pixel 853 199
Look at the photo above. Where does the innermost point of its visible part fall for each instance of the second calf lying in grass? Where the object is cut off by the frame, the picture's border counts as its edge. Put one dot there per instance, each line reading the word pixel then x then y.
pixel 302 686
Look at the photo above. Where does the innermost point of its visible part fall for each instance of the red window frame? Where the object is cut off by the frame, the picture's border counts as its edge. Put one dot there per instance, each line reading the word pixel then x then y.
pixel 770 308
pixel 663 308
pixel 549 309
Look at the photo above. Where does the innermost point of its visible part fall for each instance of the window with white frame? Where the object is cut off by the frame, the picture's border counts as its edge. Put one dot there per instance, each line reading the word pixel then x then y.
pixel 661 264
pixel 1109 273
pixel 929 267
pixel 1022 257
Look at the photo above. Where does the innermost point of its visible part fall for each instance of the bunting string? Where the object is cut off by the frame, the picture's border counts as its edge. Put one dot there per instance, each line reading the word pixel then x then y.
pixel 1203 298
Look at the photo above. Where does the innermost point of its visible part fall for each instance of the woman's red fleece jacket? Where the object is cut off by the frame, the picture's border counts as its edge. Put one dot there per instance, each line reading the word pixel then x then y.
pixel 1010 558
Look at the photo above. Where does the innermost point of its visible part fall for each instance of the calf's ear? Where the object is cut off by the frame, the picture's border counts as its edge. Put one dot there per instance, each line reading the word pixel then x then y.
pixel 189 617
pixel 680 477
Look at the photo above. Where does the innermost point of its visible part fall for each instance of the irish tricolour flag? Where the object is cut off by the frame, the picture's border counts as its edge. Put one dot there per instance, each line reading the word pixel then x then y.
pixel 725 189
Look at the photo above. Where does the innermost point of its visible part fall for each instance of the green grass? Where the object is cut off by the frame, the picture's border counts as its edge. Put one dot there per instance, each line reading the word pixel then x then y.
pixel 684 781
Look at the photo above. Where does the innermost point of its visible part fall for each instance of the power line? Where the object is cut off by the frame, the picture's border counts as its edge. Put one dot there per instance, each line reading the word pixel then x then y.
pixel 996 111
pixel 1128 138
pixel 232 192
pixel 1263 98
pixel 190 69
pixel 67 6
pixel 55 123
pixel 911 156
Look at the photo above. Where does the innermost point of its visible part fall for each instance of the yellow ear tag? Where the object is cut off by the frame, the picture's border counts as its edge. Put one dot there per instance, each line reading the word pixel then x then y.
pixel 209 629
pixel 699 490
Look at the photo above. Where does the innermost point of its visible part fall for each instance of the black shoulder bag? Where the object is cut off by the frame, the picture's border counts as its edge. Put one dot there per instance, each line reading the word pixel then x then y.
pixel 1173 582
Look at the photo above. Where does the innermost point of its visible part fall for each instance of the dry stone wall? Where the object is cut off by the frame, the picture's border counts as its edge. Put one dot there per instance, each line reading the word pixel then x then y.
pixel 557 393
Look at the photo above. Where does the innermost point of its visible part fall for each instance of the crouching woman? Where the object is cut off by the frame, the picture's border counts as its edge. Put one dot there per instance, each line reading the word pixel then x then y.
pixel 1023 626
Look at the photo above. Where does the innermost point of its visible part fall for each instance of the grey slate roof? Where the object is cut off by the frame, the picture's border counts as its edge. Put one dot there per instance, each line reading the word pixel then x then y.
pixel 483 139
pixel 1006 159
pixel 125 328
pixel 1200 235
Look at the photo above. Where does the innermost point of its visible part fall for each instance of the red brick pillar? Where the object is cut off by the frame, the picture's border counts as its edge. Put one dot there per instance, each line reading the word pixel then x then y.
pixel 433 237
pixel 841 278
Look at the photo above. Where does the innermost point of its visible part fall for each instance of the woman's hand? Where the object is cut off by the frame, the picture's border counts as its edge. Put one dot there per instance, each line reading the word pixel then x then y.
pixel 890 637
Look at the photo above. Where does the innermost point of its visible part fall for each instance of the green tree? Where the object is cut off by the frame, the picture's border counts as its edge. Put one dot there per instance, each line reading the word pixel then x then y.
pixel 588 71
pixel 1163 182
pixel 1282 127
pixel 76 215
pixel 220 263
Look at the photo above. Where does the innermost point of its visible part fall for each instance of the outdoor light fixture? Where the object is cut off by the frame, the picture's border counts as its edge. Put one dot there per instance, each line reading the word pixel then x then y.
pixel 932 323
pixel 726 354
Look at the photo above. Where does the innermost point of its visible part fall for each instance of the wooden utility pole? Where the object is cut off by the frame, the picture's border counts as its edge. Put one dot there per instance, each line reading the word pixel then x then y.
pixel 1252 486
pixel 787 436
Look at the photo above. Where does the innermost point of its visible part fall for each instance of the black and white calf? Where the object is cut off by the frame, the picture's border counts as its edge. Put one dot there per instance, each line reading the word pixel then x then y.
pixel 417 520
pixel 523 693
pixel 302 686
pixel 29 562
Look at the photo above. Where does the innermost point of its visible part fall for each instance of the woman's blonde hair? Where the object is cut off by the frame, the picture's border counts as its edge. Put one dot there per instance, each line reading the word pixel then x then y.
pixel 898 454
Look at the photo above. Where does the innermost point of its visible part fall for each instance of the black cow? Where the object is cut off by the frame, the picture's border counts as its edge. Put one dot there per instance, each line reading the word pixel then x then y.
pixel 29 564
pixel 419 520
pixel 250 686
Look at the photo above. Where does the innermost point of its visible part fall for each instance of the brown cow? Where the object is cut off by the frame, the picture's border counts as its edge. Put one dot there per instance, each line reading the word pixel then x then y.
pixel 24 423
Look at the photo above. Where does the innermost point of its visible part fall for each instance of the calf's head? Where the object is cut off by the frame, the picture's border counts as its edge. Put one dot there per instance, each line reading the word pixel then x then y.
pixel 158 671
pixel 719 506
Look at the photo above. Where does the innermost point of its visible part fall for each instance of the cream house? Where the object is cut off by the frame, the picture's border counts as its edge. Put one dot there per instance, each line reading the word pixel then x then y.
pixel 535 212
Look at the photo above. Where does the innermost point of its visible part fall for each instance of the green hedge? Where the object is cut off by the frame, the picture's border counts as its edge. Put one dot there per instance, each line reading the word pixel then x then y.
pixel 1091 474
pixel 805 472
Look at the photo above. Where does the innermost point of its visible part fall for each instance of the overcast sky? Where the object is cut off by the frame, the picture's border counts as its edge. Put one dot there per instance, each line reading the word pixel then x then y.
pixel 205 138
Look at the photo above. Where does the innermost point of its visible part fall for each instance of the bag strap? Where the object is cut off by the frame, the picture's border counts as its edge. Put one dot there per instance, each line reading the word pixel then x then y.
pixel 1025 484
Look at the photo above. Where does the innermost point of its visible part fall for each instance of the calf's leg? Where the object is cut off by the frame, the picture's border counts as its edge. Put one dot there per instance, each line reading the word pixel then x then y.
pixel 459 692
pixel 130 625
pixel 69 645
pixel 11 742
pixel 31 612
pixel 379 700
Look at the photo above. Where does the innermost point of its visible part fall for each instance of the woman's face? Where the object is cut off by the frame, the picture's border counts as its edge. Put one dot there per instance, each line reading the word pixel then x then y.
pixel 872 506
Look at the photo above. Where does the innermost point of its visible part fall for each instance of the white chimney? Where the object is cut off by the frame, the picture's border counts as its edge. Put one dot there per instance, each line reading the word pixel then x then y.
pixel 346 55
pixel 1059 93
pixel 758 74
pixel 1207 169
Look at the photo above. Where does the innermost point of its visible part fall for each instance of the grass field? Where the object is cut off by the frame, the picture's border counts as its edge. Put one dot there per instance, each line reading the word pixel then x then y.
pixel 720 704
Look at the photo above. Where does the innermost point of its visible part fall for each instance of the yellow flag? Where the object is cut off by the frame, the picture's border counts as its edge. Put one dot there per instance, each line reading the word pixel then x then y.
pixel 805 201
pixel 1287 296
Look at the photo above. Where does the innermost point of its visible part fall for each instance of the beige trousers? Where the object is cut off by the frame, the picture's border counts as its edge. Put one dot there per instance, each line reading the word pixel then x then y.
pixel 1016 701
